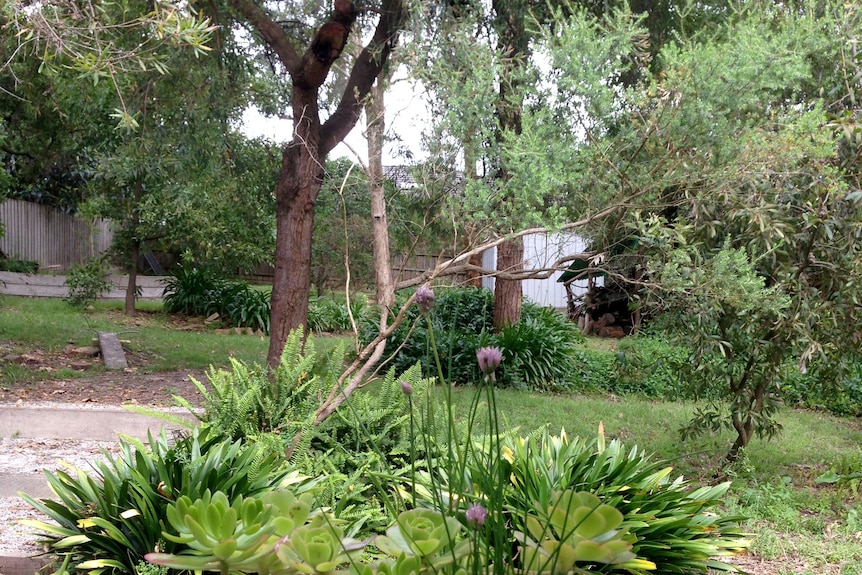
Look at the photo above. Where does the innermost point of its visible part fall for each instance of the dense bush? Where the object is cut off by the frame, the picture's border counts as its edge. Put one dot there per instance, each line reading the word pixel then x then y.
pixel 651 366
pixel 818 388
pixel 540 351
pixel 675 525
pixel 189 291
pixel 200 292
pixel 277 412
pixel 331 315
pixel 109 519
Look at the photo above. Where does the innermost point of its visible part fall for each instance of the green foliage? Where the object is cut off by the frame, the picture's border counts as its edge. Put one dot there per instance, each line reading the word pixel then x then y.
pixel 674 525
pixel 423 540
pixel 575 530
pixel 823 389
pixel 189 291
pixel 380 416
pixel 87 282
pixel 111 519
pixel 276 532
pixel 653 367
pixel 540 351
pixel 277 412
pixel 245 404
pixel 721 307
pixel 202 292
pixel 331 315
pixel 846 471
pixel 17 265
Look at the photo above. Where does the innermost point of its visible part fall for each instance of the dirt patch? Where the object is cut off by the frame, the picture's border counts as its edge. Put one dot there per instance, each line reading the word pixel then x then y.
pixel 109 388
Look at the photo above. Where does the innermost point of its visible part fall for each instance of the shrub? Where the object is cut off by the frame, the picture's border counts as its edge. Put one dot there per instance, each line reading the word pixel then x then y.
pixel 818 388
pixel 540 350
pixel 199 292
pixel 19 266
pixel 189 291
pixel 675 525
pixel 595 371
pixel 277 413
pixel 651 366
pixel 87 282
pixel 329 315
pixel 111 519
pixel 246 307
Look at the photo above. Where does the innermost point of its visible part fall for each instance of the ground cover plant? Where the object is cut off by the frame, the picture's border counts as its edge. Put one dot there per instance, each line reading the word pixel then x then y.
pixel 111 517
pixel 466 488
pixel 201 292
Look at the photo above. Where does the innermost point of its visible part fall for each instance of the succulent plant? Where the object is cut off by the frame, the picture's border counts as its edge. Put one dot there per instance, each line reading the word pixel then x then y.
pixel 576 527
pixel 421 534
pixel 273 533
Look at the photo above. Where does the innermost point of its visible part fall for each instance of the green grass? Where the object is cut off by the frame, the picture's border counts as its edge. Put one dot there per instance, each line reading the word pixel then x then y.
pixel 157 341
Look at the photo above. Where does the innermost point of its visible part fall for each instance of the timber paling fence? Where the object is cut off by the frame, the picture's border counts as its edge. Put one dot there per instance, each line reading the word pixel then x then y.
pixel 54 239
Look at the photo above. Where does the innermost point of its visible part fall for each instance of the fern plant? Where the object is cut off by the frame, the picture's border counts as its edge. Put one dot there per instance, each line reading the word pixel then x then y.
pixel 247 403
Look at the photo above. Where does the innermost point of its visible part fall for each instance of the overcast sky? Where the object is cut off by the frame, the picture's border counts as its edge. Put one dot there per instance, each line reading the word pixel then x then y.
pixel 406 117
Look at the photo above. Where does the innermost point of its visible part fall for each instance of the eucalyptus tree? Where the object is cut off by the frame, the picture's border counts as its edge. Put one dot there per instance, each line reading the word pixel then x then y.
pixel 308 62
pixel 305 58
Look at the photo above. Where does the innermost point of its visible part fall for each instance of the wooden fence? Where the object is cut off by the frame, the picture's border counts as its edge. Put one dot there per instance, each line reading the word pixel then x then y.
pixel 50 237
pixel 404 268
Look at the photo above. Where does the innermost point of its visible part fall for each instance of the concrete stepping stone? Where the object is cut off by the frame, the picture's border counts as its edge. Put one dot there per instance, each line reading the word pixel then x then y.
pixel 112 351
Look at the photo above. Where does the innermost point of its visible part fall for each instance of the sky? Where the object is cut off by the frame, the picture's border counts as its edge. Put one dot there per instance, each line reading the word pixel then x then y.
pixel 406 118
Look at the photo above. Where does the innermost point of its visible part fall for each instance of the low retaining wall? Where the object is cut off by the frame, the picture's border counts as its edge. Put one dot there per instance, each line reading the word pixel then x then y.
pixel 43 285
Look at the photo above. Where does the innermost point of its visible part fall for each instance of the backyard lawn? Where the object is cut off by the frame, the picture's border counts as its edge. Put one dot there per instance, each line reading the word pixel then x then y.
pixel 799 526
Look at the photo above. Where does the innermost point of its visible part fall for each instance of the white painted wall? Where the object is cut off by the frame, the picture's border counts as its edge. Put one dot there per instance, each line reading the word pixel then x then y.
pixel 541 251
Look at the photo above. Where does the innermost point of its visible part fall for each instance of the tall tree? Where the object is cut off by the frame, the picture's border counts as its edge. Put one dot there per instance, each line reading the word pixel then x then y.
pixel 304 157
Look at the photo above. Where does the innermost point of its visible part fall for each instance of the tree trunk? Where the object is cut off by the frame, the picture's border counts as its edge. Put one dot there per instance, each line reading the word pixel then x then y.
pixel 298 186
pixel 374 112
pixel 303 159
pixel 135 251
pixel 513 44
pixel 508 293
pixel 132 288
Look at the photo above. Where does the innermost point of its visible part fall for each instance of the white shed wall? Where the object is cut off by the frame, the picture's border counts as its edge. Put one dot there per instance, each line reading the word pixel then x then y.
pixel 541 251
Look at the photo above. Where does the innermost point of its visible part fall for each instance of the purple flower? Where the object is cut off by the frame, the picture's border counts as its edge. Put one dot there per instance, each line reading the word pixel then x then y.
pixel 489 359
pixel 424 299
pixel 406 388
pixel 476 514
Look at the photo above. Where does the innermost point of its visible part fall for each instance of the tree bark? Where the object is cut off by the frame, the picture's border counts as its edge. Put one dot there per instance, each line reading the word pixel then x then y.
pixel 298 187
pixel 135 250
pixel 374 112
pixel 508 293
pixel 133 281
pixel 513 44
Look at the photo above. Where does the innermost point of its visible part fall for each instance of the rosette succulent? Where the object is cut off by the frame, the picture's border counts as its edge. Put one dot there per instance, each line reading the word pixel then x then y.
pixel 317 548
pixel 425 534
pixel 576 528
pixel 222 535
